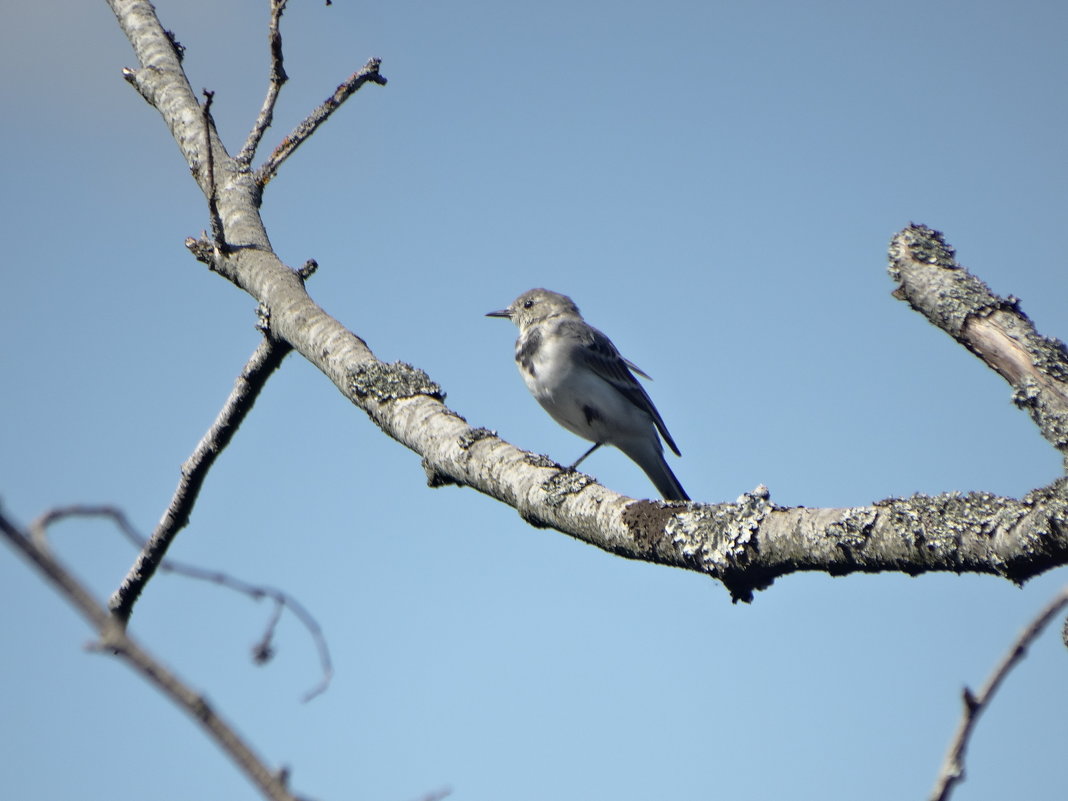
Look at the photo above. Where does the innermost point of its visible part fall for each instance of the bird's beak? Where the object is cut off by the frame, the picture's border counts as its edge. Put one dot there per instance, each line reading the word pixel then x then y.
pixel 500 313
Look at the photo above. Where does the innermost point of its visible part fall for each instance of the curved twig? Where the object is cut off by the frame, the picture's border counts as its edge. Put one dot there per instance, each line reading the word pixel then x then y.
pixel 114 639
pixel 263 649
pixel 952 770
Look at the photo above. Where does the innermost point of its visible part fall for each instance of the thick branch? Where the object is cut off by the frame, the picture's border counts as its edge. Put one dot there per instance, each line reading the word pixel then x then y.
pixel 114 639
pixel 162 82
pixel 991 327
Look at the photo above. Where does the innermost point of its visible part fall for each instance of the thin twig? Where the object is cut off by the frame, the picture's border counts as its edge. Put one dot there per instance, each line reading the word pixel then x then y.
pixel 368 73
pixel 263 649
pixel 952 770
pixel 274 85
pixel 254 375
pixel 213 193
pixel 114 639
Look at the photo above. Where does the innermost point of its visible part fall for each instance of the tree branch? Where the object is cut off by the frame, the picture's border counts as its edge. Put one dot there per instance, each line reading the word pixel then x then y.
pixel 218 235
pixel 368 73
pixel 263 650
pixel 263 362
pixel 274 85
pixel 113 638
pixel 991 327
pixel 953 767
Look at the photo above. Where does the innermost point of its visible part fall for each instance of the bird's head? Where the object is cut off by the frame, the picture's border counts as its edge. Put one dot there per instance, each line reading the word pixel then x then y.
pixel 537 305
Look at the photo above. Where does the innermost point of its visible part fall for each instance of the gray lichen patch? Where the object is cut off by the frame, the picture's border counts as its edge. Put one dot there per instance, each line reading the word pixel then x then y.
pixel 923 244
pixel 724 536
pixel 948 294
pixel 853 529
pixel 473 435
pixel 1049 356
pixel 953 528
pixel 388 382
pixel 1053 500
pixel 1046 409
pixel 560 486
pixel 539 460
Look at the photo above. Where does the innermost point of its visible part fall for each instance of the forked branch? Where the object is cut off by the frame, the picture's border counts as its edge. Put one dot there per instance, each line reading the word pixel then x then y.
pixel 367 74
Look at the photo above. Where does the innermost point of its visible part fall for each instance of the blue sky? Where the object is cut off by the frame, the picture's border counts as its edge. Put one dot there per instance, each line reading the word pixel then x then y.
pixel 715 185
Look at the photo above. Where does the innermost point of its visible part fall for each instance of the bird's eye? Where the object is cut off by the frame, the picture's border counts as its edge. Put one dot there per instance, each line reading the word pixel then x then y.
pixel 527 304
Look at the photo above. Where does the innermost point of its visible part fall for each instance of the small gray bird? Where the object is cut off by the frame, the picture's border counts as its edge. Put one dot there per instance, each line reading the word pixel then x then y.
pixel 577 375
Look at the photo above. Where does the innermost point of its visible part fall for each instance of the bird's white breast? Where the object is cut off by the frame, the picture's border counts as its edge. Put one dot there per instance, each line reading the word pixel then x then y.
pixel 578 398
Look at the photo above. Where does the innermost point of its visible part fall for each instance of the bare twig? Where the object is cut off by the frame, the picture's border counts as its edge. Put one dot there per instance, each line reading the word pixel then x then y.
pixel 114 639
pixel 263 649
pixel 213 192
pixel 250 382
pixel 368 73
pixel 39 527
pixel 952 770
pixel 274 85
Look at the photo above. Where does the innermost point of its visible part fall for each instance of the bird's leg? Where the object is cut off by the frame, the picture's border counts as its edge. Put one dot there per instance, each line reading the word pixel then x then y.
pixel 596 445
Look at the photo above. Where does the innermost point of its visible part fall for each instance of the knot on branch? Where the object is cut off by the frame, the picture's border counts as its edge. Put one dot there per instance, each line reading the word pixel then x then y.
pixel 436 478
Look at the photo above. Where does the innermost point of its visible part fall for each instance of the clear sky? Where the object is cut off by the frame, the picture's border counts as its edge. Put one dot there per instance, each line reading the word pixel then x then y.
pixel 715 184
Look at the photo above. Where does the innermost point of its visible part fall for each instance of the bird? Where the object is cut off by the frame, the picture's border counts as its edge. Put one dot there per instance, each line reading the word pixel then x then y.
pixel 579 377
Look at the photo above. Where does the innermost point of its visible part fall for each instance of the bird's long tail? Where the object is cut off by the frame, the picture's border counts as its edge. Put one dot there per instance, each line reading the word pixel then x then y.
pixel 650 458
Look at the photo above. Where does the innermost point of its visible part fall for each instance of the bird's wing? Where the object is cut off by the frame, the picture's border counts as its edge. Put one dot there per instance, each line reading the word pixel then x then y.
pixel 599 354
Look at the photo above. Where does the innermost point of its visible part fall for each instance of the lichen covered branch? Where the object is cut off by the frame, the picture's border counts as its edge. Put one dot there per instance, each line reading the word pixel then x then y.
pixel 991 327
